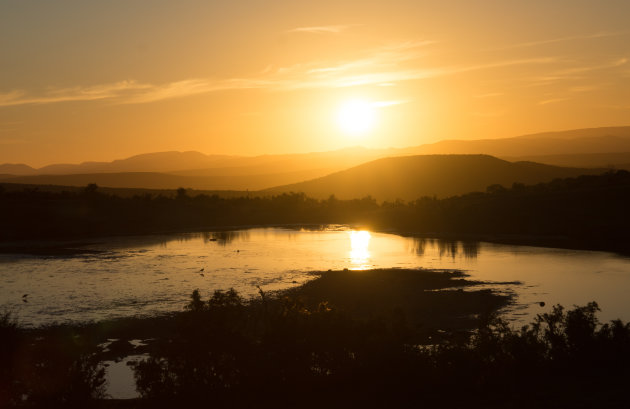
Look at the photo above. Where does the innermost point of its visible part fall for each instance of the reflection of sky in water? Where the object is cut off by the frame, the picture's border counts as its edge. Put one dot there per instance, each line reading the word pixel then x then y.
pixel 156 274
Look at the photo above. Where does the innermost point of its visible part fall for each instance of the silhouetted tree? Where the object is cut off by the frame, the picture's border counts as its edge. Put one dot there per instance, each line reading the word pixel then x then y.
pixel 181 193
pixel 90 189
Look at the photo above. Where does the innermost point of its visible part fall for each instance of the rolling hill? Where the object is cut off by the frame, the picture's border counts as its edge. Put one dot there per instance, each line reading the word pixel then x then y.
pixel 170 170
pixel 578 141
pixel 581 148
pixel 616 160
pixel 193 163
pixel 411 177
pixel 154 180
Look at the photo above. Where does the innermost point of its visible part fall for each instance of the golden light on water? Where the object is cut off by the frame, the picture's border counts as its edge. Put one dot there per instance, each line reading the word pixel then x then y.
pixel 359 253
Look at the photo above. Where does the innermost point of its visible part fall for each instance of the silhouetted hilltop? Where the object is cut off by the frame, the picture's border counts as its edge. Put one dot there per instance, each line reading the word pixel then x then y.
pixel 322 163
pixel 579 141
pixel 170 170
pixel 153 180
pixel 619 131
pixel 119 191
pixel 618 160
pixel 16 169
pixel 198 164
pixel 583 148
pixel 411 177
pixel 148 162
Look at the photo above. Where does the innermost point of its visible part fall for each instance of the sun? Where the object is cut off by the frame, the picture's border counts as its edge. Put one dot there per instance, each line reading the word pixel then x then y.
pixel 356 117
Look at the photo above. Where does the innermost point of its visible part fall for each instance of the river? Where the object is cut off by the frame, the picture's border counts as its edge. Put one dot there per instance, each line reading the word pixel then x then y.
pixel 146 275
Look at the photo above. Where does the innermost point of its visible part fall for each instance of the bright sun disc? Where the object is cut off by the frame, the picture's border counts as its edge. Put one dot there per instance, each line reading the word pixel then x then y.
pixel 356 116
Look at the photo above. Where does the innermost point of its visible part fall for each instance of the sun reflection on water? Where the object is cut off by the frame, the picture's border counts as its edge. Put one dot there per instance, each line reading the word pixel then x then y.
pixel 359 253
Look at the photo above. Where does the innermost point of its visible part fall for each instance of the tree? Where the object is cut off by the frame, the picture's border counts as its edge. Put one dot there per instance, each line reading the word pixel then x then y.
pixel 181 193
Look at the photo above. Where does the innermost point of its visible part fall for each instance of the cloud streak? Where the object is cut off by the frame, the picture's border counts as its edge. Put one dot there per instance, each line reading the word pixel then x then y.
pixel 91 93
pixel 385 104
pixel 559 40
pixel 332 29
pixel 385 65
pixel 489 95
pixel 491 114
pixel 574 73
pixel 552 101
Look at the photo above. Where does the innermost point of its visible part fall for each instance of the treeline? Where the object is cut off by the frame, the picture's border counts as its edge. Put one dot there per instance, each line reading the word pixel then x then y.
pixel 33 213
pixel 587 210
pixel 277 352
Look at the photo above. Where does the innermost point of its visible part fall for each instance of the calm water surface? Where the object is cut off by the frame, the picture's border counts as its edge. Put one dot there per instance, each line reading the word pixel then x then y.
pixel 134 276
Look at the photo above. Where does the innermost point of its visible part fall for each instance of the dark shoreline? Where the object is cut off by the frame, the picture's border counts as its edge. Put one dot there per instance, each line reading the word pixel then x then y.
pixel 434 304
pixel 376 349
pixel 382 291
pixel 586 213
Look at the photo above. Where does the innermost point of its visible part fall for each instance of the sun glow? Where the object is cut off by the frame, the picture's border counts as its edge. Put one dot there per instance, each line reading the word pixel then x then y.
pixel 356 117
pixel 359 242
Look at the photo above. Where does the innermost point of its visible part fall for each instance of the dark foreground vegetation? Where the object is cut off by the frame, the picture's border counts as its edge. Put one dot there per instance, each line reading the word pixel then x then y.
pixel 299 350
pixel 583 212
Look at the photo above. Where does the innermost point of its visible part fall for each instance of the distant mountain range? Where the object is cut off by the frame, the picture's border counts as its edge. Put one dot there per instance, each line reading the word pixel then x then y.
pixel 411 177
pixel 582 148
pixel 608 140
pixel 170 170
pixel 198 164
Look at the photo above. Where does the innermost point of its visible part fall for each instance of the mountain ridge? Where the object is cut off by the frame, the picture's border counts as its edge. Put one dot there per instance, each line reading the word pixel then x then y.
pixel 589 141
pixel 412 177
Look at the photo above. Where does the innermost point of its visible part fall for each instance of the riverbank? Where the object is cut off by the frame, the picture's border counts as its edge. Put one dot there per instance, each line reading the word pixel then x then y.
pixel 431 301
pixel 588 212
pixel 422 306
pixel 378 338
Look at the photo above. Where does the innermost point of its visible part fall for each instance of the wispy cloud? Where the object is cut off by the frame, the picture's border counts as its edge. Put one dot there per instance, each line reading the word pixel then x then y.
pixel 552 101
pixel 384 67
pixel 586 68
pixel 559 40
pixel 622 106
pixel 574 73
pixel 9 126
pixel 190 87
pixel 384 104
pixel 490 114
pixel 389 65
pixel 91 93
pixel 12 141
pixel 333 29
pixel 584 88
pixel 490 95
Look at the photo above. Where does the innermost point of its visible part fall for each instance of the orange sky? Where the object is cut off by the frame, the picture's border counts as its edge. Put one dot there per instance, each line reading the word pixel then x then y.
pixel 105 80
